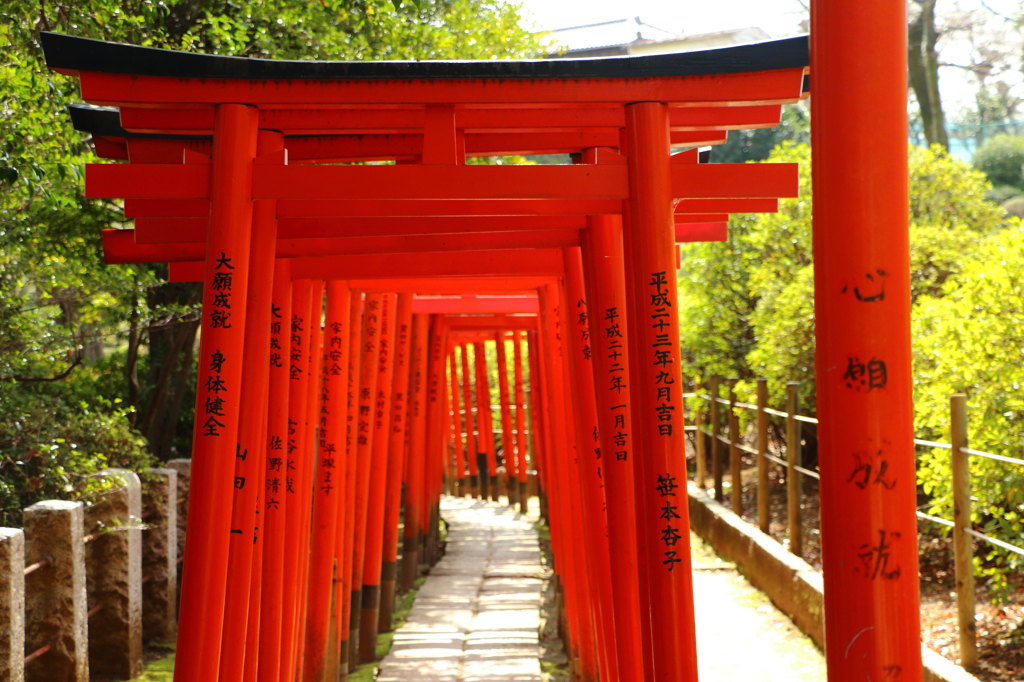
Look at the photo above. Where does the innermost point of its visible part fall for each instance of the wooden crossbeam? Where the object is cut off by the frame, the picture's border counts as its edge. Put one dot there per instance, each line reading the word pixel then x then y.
pixel 402 182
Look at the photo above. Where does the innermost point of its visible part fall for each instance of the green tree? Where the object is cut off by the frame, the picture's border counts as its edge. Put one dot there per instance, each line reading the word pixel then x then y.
pixel 746 305
pixel 87 351
pixel 757 144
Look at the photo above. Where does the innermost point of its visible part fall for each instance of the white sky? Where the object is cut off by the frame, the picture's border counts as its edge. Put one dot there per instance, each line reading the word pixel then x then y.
pixel 778 18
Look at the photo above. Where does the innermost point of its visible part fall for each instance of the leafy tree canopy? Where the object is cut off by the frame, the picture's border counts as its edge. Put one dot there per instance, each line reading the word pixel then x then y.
pixel 72 331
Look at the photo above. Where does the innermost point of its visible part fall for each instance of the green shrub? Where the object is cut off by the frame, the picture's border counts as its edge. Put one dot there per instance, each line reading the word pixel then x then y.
pixel 1001 158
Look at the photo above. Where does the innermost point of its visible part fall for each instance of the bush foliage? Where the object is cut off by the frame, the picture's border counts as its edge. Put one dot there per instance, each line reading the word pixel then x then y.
pixel 746 310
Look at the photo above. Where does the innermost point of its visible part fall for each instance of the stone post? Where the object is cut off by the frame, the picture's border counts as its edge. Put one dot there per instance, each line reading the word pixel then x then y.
pixel 160 554
pixel 12 604
pixel 55 599
pixel 184 469
pixel 114 575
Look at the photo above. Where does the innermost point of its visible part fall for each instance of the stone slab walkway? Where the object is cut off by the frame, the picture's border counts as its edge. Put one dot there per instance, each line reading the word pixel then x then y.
pixel 476 618
pixel 740 634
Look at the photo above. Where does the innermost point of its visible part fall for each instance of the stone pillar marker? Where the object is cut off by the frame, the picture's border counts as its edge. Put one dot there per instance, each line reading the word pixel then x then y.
pixel 55 600
pixel 114 576
pixel 160 554
pixel 12 604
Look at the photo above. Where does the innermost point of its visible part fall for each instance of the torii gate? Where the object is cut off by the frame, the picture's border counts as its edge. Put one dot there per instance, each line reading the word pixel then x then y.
pixel 256 166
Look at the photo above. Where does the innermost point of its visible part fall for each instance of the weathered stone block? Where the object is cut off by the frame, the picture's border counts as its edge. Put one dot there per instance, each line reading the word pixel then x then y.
pixel 114 573
pixel 12 604
pixel 55 599
pixel 160 554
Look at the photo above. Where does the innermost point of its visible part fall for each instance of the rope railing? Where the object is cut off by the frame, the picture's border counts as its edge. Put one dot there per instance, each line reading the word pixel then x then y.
pixel 719 427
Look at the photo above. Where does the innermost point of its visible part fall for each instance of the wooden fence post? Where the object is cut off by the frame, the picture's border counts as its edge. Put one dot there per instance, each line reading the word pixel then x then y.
pixel 114 576
pixel 963 545
pixel 698 440
pixel 735 459
pixel 716 459
pixel 796 534
pixel 56 626
pixel 763 514
pixel 12 604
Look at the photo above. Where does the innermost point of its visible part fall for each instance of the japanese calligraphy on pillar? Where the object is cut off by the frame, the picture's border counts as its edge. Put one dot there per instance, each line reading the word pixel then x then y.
pixel 275 440
pixel 661 351
pixel 582 322
pixel 383 357
pixel 366 401
pixel 216 390
pixel 666 490
pixel 402 331
pixel 333 357
pixel 865 373
pixel 616 381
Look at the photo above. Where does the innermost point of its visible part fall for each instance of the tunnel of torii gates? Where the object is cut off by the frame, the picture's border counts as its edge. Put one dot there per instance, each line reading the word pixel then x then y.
pixel 348 308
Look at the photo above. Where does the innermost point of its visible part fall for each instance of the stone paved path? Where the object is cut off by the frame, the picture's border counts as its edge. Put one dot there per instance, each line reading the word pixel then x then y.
pixel 740 635
pixel 476 618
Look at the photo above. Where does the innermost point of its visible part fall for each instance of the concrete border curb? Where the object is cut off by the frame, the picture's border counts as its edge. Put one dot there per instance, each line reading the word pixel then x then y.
pixel 791 583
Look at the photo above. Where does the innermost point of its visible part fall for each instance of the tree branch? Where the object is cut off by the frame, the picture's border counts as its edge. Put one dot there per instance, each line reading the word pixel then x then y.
pixel 56 377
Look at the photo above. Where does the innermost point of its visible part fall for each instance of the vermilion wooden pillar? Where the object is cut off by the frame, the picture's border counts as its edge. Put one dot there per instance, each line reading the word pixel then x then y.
pixel 378 483
pixel 456 403
pixel 345 559
pixel 297 444
pixel 507 437
pixel 328 486
pixel 398 435
pixel 484 424
pixel 274 497
pixel 250 464
pixel 369 371
pixel 307 467
pixel 538 425
pixel 590 457
pixel 605 274
pixel 417 425
pixel 565 505
pixel 657 395
pixel 521 439
pixel 862 335
pixel 471 440
pixel 434 435
pixel 300 328
pixel 218 393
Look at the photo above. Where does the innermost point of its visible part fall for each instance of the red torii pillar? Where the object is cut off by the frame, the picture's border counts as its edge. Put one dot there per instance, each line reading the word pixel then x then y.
pixel 521 439
pixel 347 559
pixel 862 334
pixel 274 507
pixel 329 482
pixel 221 352
pixel 412 537
pixel 507 439
pixel 397 456
pixel 657 407
pixel 378 483
pixel 471 440
pixel 242 600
